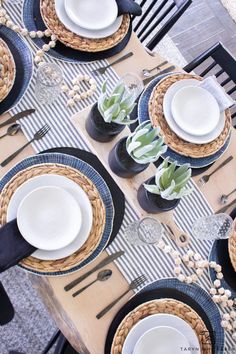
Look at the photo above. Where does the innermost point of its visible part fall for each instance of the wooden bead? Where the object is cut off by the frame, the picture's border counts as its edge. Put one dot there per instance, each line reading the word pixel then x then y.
pixel 45 47
pixel 177 270
pixel 32 34
pixel 71 93
pixel 77 97
pixel 228 293
pixel 219 275
pixel 39 34
pixel 167 249
pixel 221 291
pixel 161 244
pixel 212 264
pixel 230 303
pixel 233 314
pixel 190 253
pixel 216 298
pixel 213 291
pixel 70 102
pixel 24 32
pixel 226 316
pixel 224 324
pixel 181 277
pixel 217 283
pixel 218 268
pixel 178 261
pixel 185 258
pixel 197 257
pixel 47 32
pixel 76 88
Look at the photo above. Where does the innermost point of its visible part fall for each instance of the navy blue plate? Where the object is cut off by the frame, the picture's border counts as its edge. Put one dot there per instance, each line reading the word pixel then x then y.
pixel 24 67
pixel 34 22
pixel 143 115
pixel 220 254
pixel 191 294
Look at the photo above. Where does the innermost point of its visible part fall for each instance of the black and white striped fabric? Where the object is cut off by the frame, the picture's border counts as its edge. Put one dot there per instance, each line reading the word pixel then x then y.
pixel 137 260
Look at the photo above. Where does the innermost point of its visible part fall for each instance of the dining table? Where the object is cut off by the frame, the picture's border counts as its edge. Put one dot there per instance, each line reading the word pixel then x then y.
pixel 76 316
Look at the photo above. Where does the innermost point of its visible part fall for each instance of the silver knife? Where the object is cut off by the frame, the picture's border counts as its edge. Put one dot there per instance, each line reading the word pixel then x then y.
pixel 17 116
pixel 167 70
pixel 100 265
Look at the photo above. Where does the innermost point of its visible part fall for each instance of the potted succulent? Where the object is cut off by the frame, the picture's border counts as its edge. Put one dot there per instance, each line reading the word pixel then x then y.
pixel 163 191
pixel 111 113
pixel 133 154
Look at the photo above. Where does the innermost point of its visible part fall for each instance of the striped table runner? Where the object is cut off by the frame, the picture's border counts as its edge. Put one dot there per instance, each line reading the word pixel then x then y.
pixel 137 260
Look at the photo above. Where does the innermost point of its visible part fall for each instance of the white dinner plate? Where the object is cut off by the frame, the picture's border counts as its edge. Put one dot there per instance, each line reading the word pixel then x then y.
pixel 204 139
pixel 160 320
pixel 83 32
pixel 79 195
pixel 195 110
pixel 92 14
pixel 49 218
pixel 161 340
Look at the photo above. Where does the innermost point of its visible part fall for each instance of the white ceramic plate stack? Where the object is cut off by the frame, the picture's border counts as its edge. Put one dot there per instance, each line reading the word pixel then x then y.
pixel 162 334
pixel 53 213
pixel 192 112
pixel 89 18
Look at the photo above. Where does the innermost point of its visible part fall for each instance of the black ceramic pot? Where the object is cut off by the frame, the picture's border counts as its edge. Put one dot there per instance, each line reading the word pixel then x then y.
pixel 154 203
pixel 121 163
pixel 98 129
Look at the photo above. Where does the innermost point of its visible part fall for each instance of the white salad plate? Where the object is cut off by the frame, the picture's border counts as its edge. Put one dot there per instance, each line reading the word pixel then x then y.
pixel 195 110
pixel 160 320
pixel 167 103
pixel 49 218
pixel 161 340
pixel 92 14
pixel 83 32
pixel 78 194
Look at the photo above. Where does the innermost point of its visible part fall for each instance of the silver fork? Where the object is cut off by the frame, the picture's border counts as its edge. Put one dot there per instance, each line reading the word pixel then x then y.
pixel 133 285
pixel 102 70
pixel 147 72
pixel 204 179
pixel 37 136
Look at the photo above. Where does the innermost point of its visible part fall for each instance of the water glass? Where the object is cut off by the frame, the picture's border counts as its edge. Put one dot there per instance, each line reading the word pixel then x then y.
pixel 213 227
pixel 146 231
pixel 133 84
pixel 48 83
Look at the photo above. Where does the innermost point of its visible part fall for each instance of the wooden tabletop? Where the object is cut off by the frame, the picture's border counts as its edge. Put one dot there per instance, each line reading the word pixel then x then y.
pixel 76 317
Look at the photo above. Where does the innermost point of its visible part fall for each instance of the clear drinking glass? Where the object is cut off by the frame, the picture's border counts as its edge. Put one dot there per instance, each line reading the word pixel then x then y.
pixel 213 227
pixel 48 83
pixel 146 231
pixel 133 83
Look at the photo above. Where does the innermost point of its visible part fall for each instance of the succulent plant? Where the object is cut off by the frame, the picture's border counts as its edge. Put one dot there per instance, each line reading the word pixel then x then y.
pixel 171 181
pixel 145 145
pixel 117 107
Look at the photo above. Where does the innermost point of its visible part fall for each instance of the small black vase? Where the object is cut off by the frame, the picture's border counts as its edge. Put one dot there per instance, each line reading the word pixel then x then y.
pixel 121 163
pixel 98 129
pixel 154 203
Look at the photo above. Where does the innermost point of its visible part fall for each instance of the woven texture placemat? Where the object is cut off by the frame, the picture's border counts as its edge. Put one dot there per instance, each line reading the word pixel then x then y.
pixel 171 139
pixel 232 249
pixel 169 306
pixel 99 216
pixel 7 70
pixel 70 39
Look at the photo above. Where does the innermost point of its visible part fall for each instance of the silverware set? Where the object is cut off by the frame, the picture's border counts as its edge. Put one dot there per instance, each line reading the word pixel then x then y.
pixel 37 136
pixel 147 72
pixel 204 179
pixel 104 275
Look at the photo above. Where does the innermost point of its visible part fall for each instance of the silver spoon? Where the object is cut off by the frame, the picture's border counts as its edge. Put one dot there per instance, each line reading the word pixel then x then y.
pixel 103 275
pixel 224 198
pixel 12 130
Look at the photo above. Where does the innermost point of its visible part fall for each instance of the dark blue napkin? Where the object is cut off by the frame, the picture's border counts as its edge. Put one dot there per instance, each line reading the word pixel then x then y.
pixel 13 247
pixel 128 6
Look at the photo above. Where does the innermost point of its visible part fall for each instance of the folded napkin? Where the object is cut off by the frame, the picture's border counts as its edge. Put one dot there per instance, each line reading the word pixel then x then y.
pixel 223 99
pixel 13 247
pixel 128 6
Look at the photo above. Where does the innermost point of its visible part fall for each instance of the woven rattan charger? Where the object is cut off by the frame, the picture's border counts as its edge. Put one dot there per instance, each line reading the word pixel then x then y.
pixel 70 39
pixel 169 306
pixel 7 70
pixel 171 139
pixel 99 216
pixel 232 248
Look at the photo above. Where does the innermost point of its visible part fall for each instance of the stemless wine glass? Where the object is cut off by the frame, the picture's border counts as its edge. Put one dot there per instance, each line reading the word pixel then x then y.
pixel 48 83
pixel 133 83
pixel 213 227
pixel 146 231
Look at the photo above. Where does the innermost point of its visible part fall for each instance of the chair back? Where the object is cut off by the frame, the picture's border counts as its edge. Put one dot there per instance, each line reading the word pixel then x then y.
pixel 217 61
pixel 158 17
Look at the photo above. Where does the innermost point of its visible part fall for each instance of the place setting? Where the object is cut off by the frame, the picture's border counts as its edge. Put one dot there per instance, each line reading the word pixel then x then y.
pixel 82 35
pixel 32 196
pixel 16 66
pixel 193 116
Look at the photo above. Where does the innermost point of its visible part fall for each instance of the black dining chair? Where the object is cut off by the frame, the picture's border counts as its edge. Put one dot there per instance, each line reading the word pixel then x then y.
pixel 6 309
pixel 158 17
pixel 218 61
pixel 62 345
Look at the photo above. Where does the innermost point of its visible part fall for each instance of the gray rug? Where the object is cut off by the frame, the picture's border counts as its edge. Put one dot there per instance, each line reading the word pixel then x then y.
pixel 32 327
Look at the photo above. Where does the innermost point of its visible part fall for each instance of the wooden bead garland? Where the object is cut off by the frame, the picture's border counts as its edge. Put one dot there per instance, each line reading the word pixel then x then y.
pixel 74 93
pixel 5 20
pixel 219 295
